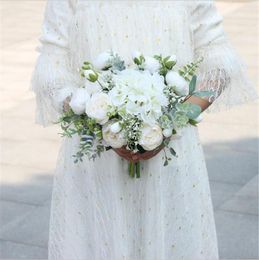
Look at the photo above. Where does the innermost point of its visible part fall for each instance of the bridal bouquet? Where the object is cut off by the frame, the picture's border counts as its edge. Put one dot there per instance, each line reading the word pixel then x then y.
pixel 138 106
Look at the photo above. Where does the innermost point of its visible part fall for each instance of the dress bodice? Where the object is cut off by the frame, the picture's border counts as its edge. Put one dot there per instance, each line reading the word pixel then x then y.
pixel 74 31
pixel 152 27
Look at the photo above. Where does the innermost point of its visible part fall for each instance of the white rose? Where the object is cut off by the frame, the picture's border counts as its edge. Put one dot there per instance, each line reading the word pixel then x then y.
pixel 167 132
pixel 151 137
pixel 115 127
pixel 115 140
pixel 151 64
pixel 102 60
pixel 98 107
pixel 199 118
pixel 92 88
pixel 180 85
pixel 91 75
pixel 78 101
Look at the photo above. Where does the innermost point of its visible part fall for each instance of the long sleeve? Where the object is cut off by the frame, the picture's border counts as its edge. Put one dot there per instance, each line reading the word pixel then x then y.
pixel 52 79
pixel 221 71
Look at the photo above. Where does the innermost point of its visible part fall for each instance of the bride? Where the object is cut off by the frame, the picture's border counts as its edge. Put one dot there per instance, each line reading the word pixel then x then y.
pixel 98 212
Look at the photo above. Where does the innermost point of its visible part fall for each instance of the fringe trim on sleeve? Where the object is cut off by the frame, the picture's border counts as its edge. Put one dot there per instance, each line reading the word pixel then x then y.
pixel 223 72
pixel 52 82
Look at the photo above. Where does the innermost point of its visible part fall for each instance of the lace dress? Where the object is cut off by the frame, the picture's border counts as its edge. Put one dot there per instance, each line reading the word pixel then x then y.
pixel 98 212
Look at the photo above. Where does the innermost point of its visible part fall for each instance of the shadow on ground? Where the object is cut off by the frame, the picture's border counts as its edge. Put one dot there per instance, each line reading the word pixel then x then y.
pixel 233 178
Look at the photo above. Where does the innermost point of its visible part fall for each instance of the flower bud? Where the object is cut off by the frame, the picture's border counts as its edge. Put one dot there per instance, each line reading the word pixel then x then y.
pixel 91 75
pixel 167 132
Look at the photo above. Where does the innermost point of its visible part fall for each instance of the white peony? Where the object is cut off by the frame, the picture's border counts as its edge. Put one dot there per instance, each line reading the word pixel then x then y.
pixel 167 132
pixel 92 88
pixel 115 140
pixel 102 60
pixel 98 107
pixel 78 101
pixel 139 93
pixel 151 64
pixel 181 86
pixel 151 137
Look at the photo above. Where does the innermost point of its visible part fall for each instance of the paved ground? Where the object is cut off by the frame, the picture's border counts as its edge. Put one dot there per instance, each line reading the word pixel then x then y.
pixel 28 152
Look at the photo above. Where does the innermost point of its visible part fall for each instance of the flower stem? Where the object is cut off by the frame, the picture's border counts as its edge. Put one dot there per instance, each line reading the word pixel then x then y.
pixel 138 169
pixel 132 169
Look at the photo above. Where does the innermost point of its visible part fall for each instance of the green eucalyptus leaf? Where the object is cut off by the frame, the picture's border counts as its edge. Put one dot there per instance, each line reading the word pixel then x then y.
pixel 193 111
pixel 172 151
pixel 192 85
pixel 203 93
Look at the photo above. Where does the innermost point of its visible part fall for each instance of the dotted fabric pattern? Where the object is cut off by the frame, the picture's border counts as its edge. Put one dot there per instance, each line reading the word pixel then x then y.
pixel 98 212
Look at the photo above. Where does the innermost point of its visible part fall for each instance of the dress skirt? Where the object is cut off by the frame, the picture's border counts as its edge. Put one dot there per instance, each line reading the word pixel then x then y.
pixel 99 212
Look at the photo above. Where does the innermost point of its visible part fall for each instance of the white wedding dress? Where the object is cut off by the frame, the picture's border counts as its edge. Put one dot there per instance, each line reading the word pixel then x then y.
pixel 98 212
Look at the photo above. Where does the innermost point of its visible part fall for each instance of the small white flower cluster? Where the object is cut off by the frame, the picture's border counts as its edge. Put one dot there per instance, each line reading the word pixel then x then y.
pixel 112 92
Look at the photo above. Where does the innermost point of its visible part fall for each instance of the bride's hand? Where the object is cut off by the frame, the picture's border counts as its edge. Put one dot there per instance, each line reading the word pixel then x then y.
pixel 66 106
pixel 135 157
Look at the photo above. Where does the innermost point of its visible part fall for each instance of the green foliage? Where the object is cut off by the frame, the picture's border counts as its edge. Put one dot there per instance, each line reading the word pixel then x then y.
pixel 166 64
pixel 166 143
pixel 190 110
pixel 193 122
pixel 194 111
pixel 172 151
pixel 116 63
pixel 139 60
pixel 203 93
pixel 131 126
pixel 192 84
pixel 188 71
pixel 87 130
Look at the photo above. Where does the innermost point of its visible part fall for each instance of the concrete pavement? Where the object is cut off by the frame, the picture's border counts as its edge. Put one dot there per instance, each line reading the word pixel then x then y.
pixel 28 152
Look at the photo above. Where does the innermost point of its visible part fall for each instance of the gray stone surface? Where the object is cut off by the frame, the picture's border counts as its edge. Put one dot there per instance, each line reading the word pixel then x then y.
pixel 245 200
pixel 36 190
pixel 221 192
pixel 30 228
pixel 28 152
pixel 11 211
pixel 230 166
pixel 241 204
pixel 237 235
pixel 12 250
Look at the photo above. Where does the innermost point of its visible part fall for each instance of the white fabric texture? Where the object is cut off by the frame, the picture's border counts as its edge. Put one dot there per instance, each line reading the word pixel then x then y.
pixel 98 212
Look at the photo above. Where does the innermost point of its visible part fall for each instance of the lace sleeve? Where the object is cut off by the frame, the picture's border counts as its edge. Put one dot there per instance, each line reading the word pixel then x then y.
pixel 221 72
pixel 52 79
